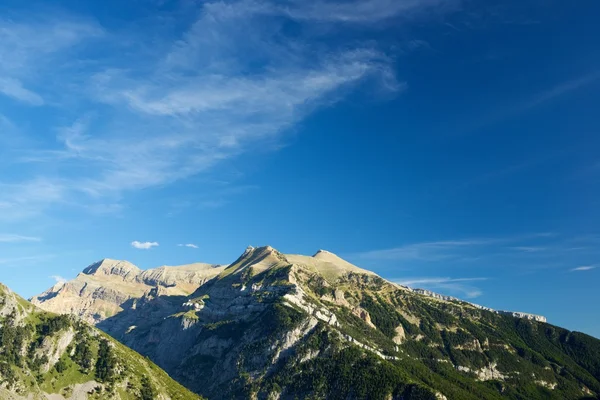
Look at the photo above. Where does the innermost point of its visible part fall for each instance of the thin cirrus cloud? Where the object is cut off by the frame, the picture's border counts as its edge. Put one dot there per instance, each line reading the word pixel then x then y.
pixel 435 251
pixel 583 268
pixel 13 238
pixel 148 119
pixel 353 12
pixel 461 287
pixel 190 245
pixel 21 261
pixel 13 88
pixel 143 245
pixel 33 45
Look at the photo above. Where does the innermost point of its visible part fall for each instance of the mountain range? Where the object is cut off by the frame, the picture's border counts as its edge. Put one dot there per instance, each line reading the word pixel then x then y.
pixel 281 326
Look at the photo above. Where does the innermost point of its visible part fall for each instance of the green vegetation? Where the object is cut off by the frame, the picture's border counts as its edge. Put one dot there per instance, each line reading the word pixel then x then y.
pixel 105 363
pixel 29 338
pixel 147 391
pixel 341 373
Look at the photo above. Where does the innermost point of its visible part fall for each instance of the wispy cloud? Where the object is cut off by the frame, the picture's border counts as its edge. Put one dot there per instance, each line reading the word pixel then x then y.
pixel 20 261
pixel 13 88
pixel 561 89
pixel 530 249
pixel 428 251
pixel 12 238
pixel 583 268
pixel 36 45
pixel 460 287
pixel 186 106
pixel 447 249
pixel 519 107
pixel 509 256
pixel 357 11
pixel 143 245
pixel 190 245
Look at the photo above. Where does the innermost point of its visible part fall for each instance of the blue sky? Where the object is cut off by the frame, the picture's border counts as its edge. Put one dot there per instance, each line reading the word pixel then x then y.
pixel 448 144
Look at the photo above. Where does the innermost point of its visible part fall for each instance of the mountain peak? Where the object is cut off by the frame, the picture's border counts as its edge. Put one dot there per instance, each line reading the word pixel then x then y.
pixel 107 266
pixel 260 258
pixel 321 251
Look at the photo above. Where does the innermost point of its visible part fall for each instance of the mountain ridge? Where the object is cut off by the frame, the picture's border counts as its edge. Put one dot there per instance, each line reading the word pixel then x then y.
pixel 265 324
pixel 164 276
pixel 107 284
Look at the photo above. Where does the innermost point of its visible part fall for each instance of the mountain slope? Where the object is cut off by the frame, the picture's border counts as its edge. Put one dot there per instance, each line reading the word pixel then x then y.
pixel 47 356
pixel 272 325
pixel 105 287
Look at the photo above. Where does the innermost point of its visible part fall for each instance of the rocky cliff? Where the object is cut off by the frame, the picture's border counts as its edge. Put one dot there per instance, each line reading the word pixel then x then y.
pixel 273 325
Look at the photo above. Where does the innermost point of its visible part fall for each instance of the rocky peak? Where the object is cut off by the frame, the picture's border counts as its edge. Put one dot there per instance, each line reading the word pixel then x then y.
pixel 322 252
pixel 124 269
pixel 248 250
pixel 258 258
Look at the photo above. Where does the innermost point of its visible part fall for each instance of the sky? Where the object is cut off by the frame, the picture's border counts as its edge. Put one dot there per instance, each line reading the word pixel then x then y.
pixel 451 145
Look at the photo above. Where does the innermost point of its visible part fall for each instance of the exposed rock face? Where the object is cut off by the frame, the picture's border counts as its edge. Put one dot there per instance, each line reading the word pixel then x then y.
pixel 400 335
pixel 106 287
pixel 54 347
pixel 244 327
pixel 487 373
pixel 364 315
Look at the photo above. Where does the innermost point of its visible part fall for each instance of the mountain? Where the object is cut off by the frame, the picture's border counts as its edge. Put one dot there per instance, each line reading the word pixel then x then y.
pixel 103 288
pixel 49 356
pixel 273 325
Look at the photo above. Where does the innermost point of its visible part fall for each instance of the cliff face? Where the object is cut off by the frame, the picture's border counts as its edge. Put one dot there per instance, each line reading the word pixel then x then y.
pixel 105 287
pixel 273 325
pixel 46 356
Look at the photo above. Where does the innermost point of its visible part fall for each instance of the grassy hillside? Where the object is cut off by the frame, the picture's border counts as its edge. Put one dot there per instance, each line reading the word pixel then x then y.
pixel 43 353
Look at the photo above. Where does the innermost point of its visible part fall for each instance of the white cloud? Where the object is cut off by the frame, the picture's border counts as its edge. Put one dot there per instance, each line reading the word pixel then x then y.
pixel 190 245
pixel 176 114
pixel 529 249
pixel 143 245
pixel 584 268
pixel 34 46
pixel 13 88
pixel 457 286
pixel 172 107
pixel 12 238
pixel 59 279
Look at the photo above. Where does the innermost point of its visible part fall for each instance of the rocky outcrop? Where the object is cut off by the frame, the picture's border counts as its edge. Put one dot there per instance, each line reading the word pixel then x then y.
pixel 364 315
pixel 400 335
pixel 53 347
pixel 486 373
